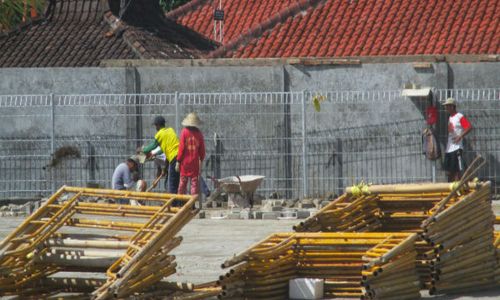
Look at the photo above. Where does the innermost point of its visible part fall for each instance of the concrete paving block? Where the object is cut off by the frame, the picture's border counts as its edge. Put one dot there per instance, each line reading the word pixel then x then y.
pixel 290 214
pixel 307 205
pixel 303 214
pixel 246 214
pixel 234 215
pixel 269 216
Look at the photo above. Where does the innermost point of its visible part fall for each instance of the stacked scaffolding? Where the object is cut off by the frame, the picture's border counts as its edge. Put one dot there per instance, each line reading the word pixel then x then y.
pixel 451 227
pixel 383 263
pixel 463 242
pixel 395 208
pixel 132 254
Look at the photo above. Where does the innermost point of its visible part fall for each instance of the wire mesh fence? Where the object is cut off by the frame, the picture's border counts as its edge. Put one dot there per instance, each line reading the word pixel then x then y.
pixel 302 147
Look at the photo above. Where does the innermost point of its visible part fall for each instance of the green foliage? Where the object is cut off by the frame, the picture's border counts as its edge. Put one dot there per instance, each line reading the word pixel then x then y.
pixel 13 11
pixel 169 5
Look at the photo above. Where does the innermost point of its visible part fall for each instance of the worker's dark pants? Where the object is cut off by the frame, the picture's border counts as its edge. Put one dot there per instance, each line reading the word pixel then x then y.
pixel 122 201
pixel 173 181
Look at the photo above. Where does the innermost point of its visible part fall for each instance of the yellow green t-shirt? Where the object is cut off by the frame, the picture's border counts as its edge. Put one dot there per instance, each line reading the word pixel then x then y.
pixel 168 141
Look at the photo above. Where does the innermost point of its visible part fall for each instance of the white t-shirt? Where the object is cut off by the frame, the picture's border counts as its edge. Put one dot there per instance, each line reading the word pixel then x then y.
pixel 161 160
pixel 456 126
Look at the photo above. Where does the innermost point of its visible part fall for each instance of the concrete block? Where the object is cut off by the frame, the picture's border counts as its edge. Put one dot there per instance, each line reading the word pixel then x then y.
pixel 201 215
pixel 277 208
pixel 269 216
pixel 303 214
pixel 288 215
pixel 234 215
pixel 218 215
pixel 257 215
pixel 307 205
pixel 306 288
pixel 246 214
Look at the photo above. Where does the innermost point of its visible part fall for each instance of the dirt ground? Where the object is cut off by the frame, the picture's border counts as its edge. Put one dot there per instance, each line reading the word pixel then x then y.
pixel 207 243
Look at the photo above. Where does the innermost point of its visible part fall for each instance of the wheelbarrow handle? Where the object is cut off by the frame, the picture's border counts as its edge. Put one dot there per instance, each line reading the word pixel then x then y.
pixel 239 181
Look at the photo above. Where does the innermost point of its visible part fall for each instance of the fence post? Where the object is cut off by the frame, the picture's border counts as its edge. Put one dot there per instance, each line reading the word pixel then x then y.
pixel 304 148
pixel 176 101
pixel 52 140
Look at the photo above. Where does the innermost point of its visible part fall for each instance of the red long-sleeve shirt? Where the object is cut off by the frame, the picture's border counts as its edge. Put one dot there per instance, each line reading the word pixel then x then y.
pixel 191 151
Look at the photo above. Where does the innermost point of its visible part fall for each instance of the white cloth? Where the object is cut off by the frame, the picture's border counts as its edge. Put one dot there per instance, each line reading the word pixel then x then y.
pixel 454 129
pixel 161 161
pixel 157 150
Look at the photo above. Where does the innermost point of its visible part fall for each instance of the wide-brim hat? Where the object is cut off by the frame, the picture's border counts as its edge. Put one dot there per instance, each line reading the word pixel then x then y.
pixel 450 101
pixel 191 120
pixel 140 157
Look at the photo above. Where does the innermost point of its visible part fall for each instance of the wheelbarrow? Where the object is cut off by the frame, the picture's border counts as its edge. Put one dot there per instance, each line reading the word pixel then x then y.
pixel 240 189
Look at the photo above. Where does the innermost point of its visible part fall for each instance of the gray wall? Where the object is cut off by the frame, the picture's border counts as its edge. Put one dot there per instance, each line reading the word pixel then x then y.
pixel 369 130
pixel 26 81
pixel 210 79
pixel 376 76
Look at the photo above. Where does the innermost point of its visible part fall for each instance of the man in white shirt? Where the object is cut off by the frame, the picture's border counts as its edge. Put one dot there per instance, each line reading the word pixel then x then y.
pixel 458 128
pixel 161 164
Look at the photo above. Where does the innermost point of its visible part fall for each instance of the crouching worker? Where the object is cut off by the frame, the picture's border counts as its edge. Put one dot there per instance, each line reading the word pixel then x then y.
pixel 126 176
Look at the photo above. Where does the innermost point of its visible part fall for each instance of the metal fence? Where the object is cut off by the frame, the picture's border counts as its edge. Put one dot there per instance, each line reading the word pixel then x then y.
pixel 373 136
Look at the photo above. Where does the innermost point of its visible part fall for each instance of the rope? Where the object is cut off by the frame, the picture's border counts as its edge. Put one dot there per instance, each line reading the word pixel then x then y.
pixel 360 189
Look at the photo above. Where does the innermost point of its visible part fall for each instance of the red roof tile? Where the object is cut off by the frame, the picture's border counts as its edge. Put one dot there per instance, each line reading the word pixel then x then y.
pixel 239 16
pixel 330 28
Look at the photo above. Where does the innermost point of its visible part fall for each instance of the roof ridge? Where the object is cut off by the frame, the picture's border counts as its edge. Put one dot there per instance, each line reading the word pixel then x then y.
pixel 183 9
pixel 258 29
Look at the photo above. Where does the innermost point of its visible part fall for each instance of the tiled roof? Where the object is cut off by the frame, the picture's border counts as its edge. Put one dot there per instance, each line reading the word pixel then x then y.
pixel 76 33
pixel 239 15
pixel 340 28
pixel 70 36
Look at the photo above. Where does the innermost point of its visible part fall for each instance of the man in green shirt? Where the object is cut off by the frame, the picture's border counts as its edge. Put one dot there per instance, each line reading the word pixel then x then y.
pixel 167 139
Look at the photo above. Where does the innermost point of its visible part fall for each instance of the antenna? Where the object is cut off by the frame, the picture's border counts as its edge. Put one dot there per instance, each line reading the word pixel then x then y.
pixel 219 23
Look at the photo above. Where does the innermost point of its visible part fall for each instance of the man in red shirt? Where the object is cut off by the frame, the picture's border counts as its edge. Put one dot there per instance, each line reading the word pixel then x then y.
pixel 191 153
pixel 458 128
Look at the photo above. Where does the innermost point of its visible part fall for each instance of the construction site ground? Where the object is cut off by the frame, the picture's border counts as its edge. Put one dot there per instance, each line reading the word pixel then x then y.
pixel 207 243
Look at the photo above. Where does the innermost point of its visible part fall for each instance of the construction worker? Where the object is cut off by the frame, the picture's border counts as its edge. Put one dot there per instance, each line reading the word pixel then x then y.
pixel 161 165
pixel 191 153
pixel 125 177
pixel 167 139
pixel 458 128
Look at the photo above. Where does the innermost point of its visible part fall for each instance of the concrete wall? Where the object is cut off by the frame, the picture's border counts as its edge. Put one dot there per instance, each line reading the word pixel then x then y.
pixel 210 79
pixel 390 76
pixel 26 81
pixel 375 76
pixel 476 75
pixel 380 137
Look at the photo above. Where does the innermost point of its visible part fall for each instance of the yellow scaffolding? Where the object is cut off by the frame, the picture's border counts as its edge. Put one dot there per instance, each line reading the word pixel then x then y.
pixel 73 233
pixel 452 228
pixel 368 265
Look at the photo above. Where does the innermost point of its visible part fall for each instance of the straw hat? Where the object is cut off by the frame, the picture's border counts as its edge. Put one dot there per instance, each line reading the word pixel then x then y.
pixel 191 120
pixel 140 157
pixel 135 159
pixel 450 101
